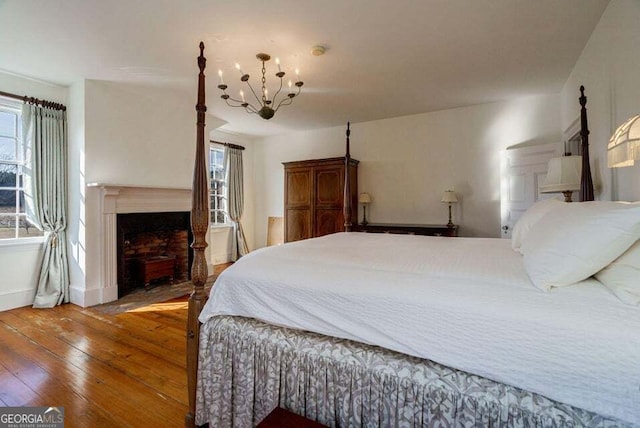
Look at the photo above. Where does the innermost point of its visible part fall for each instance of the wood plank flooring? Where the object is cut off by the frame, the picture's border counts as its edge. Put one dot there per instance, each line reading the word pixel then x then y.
pixel 125 370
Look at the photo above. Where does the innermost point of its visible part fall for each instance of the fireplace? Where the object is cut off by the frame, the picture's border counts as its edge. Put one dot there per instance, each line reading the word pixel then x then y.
pixel 152 249
pixel 112 200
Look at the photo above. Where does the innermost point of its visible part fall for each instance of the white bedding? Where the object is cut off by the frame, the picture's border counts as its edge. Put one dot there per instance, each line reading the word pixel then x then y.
pixel 466 303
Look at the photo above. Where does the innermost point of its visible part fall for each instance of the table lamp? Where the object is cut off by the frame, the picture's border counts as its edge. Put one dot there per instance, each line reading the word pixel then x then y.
pixel 364 199
pixel 563 176
pixel 449 197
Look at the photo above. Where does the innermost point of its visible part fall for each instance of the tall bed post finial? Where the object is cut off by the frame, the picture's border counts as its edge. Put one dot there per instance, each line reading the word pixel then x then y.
pixel 586 182
pixel 199 227
pixel 346 205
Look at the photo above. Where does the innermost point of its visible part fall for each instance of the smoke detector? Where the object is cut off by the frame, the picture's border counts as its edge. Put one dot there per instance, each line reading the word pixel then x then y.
pixel 318 50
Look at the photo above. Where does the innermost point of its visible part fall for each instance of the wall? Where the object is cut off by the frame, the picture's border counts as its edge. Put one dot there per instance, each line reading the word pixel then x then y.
pixel 20 263
pixel 609 68
pixel 407 162
pixel 77 219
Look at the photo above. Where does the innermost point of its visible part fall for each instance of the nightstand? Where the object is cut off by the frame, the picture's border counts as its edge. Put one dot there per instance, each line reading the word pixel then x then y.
pixel 408 229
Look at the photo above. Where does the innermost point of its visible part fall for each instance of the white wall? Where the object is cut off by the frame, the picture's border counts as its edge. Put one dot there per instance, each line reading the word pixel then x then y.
pixel 77 221
pixel 138 136
pixel 20 263
pixel 609 68
pixel 407 162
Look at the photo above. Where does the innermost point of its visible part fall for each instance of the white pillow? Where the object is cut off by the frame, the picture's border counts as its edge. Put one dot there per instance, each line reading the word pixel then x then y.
pixel 622 276
pixel 529 218
pixel 576 240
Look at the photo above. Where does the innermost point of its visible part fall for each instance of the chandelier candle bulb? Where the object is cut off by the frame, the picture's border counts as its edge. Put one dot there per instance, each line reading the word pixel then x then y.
pixel 242 96
pixel 278 64
pixel 220 74
pixel 239 69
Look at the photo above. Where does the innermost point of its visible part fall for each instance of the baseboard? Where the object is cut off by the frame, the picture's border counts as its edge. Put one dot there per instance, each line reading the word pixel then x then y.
pixel 92 297
pixel 16 299
pixel 221 258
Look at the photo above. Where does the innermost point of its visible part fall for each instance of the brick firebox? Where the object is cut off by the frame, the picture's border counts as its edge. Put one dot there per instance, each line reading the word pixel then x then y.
pixel 145 235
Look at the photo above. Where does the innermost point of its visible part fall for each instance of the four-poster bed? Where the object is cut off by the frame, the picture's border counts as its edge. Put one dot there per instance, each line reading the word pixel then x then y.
pixel 344 329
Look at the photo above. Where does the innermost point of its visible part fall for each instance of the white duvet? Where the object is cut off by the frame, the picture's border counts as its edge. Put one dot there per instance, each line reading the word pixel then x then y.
pixel 466 303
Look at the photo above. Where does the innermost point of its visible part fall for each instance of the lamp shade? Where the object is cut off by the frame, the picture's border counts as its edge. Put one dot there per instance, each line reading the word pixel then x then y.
pixel 449 196
pixel 624 145
pixel 364 198
pixel 563 175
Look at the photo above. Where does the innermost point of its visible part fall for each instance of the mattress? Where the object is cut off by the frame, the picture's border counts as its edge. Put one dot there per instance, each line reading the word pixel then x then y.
pixel 464 303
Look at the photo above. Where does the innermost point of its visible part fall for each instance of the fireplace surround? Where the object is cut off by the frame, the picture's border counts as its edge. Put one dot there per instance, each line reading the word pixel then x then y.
pixel 115 199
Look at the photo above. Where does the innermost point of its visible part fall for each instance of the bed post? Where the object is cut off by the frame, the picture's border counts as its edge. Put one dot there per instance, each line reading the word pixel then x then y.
pixel 346 204
pixel 586 182
pixel 199 226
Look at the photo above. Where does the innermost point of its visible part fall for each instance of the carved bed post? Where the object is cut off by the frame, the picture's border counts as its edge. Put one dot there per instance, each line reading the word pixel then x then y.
pixel 346 207
pixel 199 227
pixel 586 182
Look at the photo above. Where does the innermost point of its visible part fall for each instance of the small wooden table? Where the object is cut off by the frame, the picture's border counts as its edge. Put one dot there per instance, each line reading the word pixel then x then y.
pixel 157 267
pixel 281 418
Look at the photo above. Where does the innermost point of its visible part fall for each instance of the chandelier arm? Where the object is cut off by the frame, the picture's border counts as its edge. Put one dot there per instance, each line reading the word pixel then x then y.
pixel 284 103
pixel 276 94
pixel 254 92
pixel 241 104
pixel 251 109
pixel 290 101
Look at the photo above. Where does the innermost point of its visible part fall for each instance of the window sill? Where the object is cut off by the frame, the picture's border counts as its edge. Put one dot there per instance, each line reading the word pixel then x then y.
pixel 22 242
pixel 220 227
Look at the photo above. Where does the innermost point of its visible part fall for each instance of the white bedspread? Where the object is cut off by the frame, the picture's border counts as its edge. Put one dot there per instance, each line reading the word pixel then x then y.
pixel 466 303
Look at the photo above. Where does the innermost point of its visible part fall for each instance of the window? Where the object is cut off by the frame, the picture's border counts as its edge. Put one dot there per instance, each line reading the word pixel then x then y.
pixel 13 219
pixel 218 193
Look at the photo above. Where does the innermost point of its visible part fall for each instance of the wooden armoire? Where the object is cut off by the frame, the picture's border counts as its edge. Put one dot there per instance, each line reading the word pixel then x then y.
pixel 313 197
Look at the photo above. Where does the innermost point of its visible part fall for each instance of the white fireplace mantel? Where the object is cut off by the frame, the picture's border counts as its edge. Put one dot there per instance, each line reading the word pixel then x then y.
pixel 121 199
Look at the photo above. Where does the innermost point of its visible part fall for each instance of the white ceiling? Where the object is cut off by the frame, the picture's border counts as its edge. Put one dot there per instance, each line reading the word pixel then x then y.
pixel 385 58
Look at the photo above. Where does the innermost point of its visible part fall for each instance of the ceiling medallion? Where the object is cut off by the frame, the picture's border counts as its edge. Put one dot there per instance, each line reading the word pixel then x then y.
pixel 265 106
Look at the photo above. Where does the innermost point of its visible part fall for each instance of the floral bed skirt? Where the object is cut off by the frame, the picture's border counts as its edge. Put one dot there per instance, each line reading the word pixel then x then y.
pixel 247 368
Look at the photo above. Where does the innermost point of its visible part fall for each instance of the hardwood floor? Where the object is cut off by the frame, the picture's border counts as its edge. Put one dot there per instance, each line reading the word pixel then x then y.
pixel 125 370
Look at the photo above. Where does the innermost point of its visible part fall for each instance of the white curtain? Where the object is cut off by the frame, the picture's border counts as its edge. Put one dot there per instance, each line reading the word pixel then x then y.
pixel 235 188
pixel 44 133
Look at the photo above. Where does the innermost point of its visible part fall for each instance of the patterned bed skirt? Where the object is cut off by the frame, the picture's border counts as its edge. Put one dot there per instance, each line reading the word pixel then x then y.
pixel 247 368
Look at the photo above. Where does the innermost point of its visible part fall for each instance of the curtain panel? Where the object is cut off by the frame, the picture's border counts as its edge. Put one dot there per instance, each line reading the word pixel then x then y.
pixel 44 132
pixel 235 186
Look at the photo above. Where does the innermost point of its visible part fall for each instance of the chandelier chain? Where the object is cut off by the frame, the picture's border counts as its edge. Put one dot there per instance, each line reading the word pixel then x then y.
pixel 264 81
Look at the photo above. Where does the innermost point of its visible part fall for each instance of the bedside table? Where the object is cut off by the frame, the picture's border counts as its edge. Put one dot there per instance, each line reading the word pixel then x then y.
pixel 408 229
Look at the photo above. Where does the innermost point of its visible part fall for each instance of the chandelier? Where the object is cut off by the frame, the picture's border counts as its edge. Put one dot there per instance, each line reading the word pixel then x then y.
pixel 266 107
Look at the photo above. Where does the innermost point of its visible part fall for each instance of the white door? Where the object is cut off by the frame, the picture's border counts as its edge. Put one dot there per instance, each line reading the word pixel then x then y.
pixel 522 172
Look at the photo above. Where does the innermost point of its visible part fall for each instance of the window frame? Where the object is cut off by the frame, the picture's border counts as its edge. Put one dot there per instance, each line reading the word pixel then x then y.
pixel 19 162
pixel 215 197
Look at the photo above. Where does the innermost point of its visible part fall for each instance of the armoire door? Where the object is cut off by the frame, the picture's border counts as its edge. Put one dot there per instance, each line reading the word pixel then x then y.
pixel 329 189
pixel 298 198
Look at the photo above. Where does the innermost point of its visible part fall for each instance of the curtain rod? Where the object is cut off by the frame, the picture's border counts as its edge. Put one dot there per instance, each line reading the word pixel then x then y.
pixel 232 146
pixel 32 100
